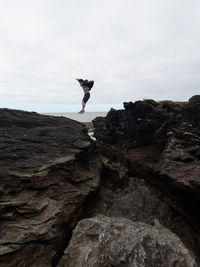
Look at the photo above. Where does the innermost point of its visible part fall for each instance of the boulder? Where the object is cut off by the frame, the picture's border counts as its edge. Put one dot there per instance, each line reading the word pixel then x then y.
pixel 194 99
pixel 48 169
pixel 104 241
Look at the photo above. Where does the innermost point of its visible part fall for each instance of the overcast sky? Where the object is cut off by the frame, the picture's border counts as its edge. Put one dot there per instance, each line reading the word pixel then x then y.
pixel 133 49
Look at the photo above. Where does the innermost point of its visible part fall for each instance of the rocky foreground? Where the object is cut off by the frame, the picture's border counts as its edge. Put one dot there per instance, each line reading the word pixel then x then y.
pixel 129 199
pixel 48 169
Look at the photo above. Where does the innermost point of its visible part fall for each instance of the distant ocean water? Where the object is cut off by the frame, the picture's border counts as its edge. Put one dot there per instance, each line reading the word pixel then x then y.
pixel 85 117
pixel 67 110
pixel 61 108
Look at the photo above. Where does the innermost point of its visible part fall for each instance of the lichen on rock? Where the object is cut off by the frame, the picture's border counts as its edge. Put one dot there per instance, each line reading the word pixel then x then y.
pixel 103 241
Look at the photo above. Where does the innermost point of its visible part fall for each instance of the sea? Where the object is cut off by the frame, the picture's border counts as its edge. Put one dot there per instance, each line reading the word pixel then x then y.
pixel 67 110
pixel 85 117
pixel 71 111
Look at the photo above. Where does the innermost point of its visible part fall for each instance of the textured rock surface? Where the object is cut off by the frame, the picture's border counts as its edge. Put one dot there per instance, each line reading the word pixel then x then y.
pixel 103 241
pixel 180 160
pixel 139 124
pixel 48 168
pixel 135 198
pixel 155 139
pixel 50 176
pixel 191 111
pixel 158 142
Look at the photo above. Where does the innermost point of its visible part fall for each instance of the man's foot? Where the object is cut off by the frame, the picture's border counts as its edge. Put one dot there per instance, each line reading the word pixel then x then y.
pixel 82 111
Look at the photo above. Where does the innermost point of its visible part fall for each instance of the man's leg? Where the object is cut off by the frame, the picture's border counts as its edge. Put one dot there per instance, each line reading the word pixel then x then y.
pixel 83 105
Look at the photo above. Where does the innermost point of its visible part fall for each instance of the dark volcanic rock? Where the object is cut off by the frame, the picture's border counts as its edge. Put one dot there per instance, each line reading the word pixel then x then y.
pixel 139 124
pixel 103 241
pixel 194 100
pixel 135 198
pixel 158 142
pixel 191 111
pixel 48 168
pixel 178 170
pixel 155 140
pixel 30 140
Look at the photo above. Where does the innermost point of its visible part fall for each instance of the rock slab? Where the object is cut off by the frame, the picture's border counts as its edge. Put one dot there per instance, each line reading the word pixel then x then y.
pixel 103 241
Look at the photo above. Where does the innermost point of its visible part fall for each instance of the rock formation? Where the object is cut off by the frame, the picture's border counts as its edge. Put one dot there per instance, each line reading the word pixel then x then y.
pixel 48 169
pixel 150 152
pixel 142 174
pixel 103 241
pixel 161 139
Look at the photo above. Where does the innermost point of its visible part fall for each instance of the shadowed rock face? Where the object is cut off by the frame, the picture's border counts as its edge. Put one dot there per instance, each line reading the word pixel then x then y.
pixel 146 122
pixel 103 241
pixel 48 168
pixel 192 110
pixel 139 124
pixel 158 143
pixel 156 137
pixel 180 159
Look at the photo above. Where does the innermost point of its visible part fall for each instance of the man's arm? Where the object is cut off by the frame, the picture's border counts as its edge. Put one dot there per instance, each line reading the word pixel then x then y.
pixel 79 80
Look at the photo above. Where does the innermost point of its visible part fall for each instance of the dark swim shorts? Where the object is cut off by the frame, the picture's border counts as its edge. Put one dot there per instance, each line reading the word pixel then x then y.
pixel 86 97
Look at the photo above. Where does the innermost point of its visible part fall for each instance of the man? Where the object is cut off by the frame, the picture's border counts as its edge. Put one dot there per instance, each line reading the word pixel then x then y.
pixel 86 85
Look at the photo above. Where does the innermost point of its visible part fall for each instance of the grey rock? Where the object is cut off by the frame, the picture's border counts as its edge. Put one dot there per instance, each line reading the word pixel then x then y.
pixel 103 241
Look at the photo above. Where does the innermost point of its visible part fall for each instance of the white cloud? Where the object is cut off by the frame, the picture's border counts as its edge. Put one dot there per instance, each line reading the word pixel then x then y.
pixel 132 49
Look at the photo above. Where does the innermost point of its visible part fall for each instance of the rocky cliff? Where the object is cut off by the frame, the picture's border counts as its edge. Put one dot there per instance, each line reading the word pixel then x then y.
pixel 151 160
pixel 48 169
pixel 142 174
